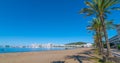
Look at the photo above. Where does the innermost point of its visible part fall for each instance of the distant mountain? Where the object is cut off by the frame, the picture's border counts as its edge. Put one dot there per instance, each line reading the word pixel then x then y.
pixel 76 43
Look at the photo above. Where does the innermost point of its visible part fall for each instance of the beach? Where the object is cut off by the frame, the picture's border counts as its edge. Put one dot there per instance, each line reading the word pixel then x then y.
pixel 42 57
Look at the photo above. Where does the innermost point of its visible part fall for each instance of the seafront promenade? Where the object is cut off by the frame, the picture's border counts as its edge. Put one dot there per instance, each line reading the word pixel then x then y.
pixel 116 52
pixel 64 56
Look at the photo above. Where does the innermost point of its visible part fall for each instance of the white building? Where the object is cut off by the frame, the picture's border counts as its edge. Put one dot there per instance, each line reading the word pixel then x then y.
pixel 87 45
pixel 34 46
pixel 116 39
pixel 82 45
pixel 118 31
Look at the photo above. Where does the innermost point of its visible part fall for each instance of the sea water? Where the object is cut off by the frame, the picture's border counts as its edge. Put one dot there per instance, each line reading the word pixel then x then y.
pixel 15 50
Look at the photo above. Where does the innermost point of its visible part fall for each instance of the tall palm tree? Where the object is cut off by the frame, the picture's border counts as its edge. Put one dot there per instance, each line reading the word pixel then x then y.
pixel 100 8
pixel 96 27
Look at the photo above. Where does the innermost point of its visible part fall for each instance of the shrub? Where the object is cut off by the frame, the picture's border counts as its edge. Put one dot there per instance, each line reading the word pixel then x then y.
pixel 108 62
pixel 119 47
pixel 96 51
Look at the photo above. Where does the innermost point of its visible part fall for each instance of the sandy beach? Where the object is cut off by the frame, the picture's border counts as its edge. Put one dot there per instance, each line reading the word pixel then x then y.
pixel 42 57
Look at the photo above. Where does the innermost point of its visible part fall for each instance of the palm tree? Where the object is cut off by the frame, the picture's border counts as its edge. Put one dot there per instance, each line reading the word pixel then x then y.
pixel 100 8
pixel 98 44
pixel 96 27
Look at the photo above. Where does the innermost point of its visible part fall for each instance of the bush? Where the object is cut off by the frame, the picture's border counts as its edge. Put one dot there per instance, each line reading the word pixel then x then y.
pixel 119 47
pixel 108 62
pixel 96 51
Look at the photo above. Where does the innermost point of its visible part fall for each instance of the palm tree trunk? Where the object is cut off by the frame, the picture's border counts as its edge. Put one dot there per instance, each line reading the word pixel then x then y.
pixel 95 43
pixel 100 47
pixel 100 39
pixel 99 44
pixel 106 36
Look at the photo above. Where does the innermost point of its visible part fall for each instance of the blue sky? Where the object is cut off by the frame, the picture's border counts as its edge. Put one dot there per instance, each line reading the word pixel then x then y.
pixel 25 22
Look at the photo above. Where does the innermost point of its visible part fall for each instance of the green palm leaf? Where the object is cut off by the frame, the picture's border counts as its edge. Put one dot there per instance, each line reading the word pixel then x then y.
pixel 115 8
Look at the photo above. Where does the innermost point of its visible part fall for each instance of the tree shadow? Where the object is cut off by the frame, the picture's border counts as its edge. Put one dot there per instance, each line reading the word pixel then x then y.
pixel 78 58
pixel 87 52
pixel 58 62
pixel 114 59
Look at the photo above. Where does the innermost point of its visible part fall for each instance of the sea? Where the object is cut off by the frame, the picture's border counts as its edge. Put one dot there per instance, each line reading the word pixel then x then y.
pixel 16 50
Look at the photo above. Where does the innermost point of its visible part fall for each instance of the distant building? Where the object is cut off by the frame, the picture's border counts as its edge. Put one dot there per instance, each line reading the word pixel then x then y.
pixel 82 45
pixel 87 45
pixel 34 46
pixel 118 31
pixel 116 39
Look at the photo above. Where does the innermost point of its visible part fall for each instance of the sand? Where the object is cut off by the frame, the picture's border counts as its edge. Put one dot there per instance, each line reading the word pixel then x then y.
pixel 43 57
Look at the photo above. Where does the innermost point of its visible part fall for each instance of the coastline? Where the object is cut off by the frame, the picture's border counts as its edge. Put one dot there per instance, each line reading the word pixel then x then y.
pixel 22 50
pixel 39 57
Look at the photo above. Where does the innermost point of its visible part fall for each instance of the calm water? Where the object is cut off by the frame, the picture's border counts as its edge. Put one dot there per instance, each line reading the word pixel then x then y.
pixel 14 50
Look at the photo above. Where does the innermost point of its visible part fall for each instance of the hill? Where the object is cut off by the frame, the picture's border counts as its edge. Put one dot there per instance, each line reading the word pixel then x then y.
pixel 76 43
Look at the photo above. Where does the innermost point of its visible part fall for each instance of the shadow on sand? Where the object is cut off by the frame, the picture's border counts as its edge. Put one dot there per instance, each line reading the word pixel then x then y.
pixel 58 62
pixel 76 57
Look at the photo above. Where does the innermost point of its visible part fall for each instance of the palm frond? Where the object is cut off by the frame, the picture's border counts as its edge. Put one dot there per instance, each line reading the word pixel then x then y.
pixel 111 3
pixel 110 25
pixel 107 11
pixel 95 1
pixel 87 11
pixel 115 8
pixel 91 5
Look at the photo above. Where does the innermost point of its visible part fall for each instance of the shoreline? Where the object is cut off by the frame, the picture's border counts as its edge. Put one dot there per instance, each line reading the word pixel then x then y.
pixel 62 49
pixel 39 57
